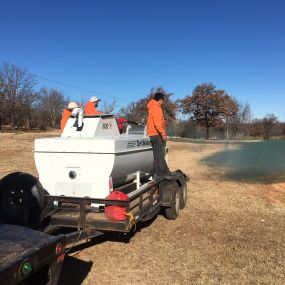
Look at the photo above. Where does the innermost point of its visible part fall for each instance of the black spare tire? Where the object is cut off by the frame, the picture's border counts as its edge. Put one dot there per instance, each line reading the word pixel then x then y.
pixel 22 199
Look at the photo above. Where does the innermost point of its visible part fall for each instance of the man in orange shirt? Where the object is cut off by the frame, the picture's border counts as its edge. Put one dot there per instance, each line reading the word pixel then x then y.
pixel 157 133
pixel 66 114
pixel 91 105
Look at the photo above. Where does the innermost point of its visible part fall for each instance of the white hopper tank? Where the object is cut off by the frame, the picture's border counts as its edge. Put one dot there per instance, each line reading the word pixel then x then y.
pixel 85 163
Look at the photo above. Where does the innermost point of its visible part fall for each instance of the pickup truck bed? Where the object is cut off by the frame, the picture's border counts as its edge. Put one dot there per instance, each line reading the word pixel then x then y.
pixel 19 245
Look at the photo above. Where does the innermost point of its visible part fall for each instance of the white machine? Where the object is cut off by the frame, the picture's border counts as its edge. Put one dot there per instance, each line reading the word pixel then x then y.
pixel 90 160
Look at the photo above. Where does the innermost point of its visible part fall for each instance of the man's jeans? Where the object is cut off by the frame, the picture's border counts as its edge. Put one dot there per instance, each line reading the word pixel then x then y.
pixel 159 163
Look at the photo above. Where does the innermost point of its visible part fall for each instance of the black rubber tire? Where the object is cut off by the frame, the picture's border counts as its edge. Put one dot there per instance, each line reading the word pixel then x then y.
pixel 22 199
pixel 183 195
pixel 172 212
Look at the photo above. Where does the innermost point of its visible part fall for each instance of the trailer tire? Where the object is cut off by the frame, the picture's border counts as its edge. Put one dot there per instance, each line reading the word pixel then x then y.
pixel 183 195
pixel 172 212
pixel 22 199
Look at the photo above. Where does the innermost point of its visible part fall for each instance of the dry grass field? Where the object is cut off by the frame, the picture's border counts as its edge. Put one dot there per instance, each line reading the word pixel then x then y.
pixel 232 230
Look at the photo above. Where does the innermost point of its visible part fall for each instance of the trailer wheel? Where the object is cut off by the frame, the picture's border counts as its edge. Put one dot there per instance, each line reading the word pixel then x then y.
pixel 172 212
pixel 183 195
pixel 22 199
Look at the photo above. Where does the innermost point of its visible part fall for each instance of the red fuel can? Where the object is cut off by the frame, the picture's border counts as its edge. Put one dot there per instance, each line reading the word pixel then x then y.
pixel 116 213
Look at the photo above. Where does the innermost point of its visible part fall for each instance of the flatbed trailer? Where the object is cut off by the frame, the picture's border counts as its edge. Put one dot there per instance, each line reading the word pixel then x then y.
pixel 145 200
pixel 143 204
pixel 92 161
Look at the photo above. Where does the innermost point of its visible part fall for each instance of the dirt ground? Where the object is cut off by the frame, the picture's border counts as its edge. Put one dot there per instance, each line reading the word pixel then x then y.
pixel 232 230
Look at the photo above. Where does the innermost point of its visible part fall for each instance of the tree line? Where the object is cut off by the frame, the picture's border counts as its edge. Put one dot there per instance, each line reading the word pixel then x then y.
pixel 22 106
pixel 211 112
pixel 207 109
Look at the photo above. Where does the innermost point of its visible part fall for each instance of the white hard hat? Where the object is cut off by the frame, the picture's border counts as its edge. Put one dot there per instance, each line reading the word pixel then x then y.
pixel 94 99
pixel 72 105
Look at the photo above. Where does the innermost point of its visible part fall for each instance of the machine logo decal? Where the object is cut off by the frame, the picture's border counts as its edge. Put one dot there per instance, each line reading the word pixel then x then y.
pixel 138 143
pixel 107 126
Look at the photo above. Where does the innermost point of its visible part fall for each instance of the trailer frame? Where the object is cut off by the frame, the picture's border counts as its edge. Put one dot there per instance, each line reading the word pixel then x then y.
pixel 143 204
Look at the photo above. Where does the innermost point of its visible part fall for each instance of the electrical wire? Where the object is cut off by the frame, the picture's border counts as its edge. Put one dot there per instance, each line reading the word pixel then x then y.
pixel 74 87
pixel 117 99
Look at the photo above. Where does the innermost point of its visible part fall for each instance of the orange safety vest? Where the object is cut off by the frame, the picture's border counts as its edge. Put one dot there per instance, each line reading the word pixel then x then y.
pixel 65 116
pixel 90 109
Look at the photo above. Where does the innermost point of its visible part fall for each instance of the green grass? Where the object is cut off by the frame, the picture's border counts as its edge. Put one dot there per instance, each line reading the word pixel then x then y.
pixel 252 161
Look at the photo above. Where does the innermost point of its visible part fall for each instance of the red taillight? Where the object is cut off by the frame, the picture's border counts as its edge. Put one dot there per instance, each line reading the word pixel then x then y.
pixel 60 258
pixel 59 248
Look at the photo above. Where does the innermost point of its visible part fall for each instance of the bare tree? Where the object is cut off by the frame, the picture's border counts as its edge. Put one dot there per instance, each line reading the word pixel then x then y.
pixel 137 111
pixel 240 122
pixel 16 93
pixel 2 99
pixel 245 116
pixel 109 107
pixel 267 123
pixel 256 128
pixel 51 104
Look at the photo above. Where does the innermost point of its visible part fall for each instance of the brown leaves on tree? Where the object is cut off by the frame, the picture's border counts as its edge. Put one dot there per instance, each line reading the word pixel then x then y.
pixel 137 111
pixel 208 106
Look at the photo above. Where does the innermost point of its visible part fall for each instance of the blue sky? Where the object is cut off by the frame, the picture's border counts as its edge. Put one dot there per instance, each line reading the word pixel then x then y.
pixel 122 48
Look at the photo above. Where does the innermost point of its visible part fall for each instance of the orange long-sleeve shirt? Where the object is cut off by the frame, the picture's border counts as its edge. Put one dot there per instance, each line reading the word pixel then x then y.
pixel 90 109
pixel 155 119
pixel 65 116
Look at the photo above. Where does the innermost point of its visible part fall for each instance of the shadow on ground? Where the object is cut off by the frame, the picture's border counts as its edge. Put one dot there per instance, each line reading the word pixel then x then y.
pixel 74 270
pixel 112 236
pixel 262 161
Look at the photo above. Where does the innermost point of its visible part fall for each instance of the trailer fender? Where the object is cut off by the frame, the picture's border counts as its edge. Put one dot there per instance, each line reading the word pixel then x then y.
pixel 22 199
pixel 182 178
pixel 166 189
pixel 182 183
pixel 170 199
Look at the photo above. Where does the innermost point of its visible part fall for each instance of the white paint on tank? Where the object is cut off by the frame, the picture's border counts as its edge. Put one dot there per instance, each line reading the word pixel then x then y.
pixel 78 164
